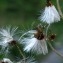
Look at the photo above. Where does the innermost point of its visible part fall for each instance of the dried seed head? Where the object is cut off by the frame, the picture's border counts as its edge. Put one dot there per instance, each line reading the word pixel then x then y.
pixel 52 37
pixel 4 62
pixel 39 35
pixel 35 42
pixel 8 35
pixel 12 42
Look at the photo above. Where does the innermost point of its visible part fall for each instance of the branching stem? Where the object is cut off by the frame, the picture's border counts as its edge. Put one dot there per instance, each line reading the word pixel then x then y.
pixel 57 52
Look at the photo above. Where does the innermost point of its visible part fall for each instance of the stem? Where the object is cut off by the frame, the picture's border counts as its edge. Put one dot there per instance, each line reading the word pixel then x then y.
pixel 24 34
pixel 47 29
pixel 20 51
pixel 59 9
pixel 57 52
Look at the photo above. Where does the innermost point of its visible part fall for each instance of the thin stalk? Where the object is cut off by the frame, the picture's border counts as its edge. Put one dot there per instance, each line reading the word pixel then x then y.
pixel 20 51
pixel 47 29
pixel 57 52
pixel 59 9
pixel 25 34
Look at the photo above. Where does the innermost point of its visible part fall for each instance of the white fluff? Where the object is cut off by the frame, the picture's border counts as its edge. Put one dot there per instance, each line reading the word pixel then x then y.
pixel 50 15
pixel 7 60
pixel 6 36
pixel 35 45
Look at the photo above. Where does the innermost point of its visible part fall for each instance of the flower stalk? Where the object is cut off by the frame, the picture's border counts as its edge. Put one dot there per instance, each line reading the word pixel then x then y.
pixel 59 9
pixel 57 52
pixel 20 51
pixel 47 29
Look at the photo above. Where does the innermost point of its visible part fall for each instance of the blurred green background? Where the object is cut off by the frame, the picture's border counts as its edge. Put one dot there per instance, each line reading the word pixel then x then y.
pixel 25 13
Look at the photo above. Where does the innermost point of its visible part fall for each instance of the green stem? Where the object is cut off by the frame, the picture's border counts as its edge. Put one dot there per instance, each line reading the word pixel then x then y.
pixel 47 29
pixel 57 52
pixel 59 9
pixel 20 51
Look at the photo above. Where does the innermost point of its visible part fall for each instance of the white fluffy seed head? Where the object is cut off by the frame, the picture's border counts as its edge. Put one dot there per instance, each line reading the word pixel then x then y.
pixel 38 46
pixel 7 35
pixel 50 15
pixel 33 44
pixel 6 60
